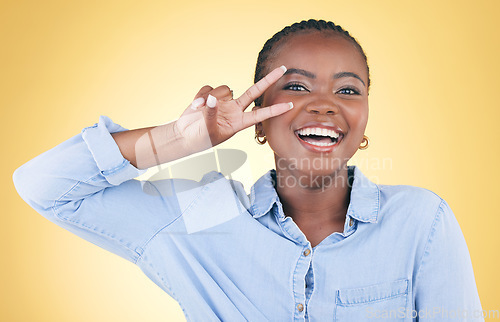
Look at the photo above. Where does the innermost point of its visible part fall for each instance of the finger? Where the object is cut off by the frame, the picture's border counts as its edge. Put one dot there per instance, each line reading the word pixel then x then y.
pixel 210 112
pixel 203 91
pixel 217 94
pixel 228 97
pixel 260 87
pixel 200 98
pixel 211 101
pixel 222 93
pixel 261 114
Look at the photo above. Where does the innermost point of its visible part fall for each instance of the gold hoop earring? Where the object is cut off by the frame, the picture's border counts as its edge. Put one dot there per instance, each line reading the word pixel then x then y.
pixel 258 140
pixel 364 143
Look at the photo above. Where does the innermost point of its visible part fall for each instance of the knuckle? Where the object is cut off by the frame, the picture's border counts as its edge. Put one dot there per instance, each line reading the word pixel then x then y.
pixel 252 92
pixel 262 85
pixel 206 88
pixel 257 87
pixel 203 91
pixel 220 91
pixel 224 88
pixel 259 116
pixel 238 102
pixel 266 81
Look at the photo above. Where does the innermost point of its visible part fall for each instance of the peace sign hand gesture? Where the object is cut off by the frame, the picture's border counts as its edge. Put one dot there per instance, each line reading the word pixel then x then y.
pixel 214 116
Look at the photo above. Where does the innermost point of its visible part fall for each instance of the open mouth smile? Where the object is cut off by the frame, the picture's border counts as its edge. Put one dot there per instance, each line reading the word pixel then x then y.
pixel 319 139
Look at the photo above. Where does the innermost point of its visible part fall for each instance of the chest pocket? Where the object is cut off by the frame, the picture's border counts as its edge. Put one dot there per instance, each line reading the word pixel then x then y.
pixel 384 302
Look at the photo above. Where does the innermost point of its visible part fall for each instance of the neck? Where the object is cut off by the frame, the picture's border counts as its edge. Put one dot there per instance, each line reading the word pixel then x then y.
pixel 314 199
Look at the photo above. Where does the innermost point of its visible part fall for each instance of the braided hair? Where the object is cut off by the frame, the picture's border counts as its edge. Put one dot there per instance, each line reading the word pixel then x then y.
pixel 304 26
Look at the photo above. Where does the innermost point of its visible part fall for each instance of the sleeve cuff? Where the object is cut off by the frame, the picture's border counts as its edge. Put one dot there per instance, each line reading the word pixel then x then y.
pixel 113 166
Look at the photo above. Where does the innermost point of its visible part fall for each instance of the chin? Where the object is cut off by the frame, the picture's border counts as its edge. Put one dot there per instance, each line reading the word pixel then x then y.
pixel 312 165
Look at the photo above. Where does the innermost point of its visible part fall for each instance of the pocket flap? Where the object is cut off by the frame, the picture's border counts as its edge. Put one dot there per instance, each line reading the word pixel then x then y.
pixel 373 292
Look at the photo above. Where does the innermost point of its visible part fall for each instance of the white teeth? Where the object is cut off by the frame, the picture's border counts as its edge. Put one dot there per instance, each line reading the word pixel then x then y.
pixel 322 144
pixel 318 131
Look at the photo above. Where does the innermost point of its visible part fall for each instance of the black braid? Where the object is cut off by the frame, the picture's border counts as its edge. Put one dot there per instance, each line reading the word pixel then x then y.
pixel 298 27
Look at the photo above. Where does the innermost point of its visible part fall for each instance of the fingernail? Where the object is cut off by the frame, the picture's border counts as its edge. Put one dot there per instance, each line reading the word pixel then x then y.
pixel 197 103
pixel 290 104
pixel 211 101
pixel 283 68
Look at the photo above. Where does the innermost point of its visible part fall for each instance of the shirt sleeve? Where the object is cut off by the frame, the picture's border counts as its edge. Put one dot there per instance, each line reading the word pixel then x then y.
pixel 445 288
pixel 87 187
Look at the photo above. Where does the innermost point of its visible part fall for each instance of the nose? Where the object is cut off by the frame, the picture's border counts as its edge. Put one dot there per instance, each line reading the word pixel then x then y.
pixel 322 106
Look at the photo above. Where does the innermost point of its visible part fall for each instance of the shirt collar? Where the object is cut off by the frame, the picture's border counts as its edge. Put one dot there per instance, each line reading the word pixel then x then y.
pixel 363 206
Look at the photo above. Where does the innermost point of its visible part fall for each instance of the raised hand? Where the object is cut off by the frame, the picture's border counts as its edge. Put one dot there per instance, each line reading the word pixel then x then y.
pixel 214 116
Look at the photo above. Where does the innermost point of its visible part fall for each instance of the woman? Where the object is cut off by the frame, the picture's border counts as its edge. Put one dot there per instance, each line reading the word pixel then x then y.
pixel 314 240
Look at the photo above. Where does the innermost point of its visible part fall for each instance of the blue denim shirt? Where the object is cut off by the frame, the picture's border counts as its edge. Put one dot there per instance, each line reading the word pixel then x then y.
pixel 225 255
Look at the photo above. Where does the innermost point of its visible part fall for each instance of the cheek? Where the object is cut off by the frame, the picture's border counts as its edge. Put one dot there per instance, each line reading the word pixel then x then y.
pixel 270 127
pixel 272 96
pixel 357 118
pixel 278 126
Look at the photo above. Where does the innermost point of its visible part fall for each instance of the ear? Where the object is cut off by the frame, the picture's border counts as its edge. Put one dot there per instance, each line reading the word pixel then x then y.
pixel 259 128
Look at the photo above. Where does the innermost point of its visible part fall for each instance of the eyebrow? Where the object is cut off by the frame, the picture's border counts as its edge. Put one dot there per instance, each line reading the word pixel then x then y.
pixel 311 75
pixel 348 74
pixel 300 72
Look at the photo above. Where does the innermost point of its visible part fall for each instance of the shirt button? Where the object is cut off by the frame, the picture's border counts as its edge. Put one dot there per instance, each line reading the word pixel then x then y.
pixel 307 252
pixel 300 307
pixel 351 222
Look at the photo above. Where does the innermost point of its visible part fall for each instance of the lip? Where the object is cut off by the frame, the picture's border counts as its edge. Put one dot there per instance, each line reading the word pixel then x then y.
pixel 321 149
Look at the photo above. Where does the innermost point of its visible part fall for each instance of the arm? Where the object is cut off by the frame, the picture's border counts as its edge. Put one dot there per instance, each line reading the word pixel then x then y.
pixel 445 282
pixel 152 146
pixel 199 128
pixel 85 183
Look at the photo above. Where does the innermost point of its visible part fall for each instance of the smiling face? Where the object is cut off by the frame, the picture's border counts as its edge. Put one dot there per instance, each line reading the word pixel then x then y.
pixel 326 81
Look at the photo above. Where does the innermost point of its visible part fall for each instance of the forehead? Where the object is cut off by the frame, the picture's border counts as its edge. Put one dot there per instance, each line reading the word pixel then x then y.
pixel 321 49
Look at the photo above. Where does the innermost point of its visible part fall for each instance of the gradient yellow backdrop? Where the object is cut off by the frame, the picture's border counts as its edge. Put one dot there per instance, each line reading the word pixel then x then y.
pixel 433 119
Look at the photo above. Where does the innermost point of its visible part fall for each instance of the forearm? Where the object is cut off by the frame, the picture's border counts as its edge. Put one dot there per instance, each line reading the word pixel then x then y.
pixel 151 146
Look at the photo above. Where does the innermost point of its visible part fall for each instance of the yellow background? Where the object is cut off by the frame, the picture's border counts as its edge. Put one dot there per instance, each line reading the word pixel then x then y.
pixel 434 115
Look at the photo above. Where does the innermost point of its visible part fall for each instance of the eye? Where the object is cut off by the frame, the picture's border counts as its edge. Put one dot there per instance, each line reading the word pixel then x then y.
pixel 348 91
pixel 295 87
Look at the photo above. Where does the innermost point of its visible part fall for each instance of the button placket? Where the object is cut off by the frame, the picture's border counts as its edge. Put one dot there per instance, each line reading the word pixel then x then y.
pixel 299 280
pixel 310 285
pixel 306 253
